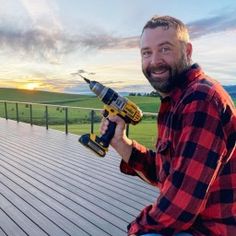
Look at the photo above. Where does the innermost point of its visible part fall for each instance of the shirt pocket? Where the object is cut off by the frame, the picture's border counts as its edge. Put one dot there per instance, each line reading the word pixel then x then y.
pixel 163 152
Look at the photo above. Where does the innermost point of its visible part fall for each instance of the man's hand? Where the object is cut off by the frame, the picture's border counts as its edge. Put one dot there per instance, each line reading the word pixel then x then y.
pixel 120 142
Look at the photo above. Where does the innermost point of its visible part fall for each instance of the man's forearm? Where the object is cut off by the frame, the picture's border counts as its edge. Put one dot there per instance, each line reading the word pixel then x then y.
pixel 124 148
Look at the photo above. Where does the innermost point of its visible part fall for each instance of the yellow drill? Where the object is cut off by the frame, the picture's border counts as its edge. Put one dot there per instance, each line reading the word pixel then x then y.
pixel 114 105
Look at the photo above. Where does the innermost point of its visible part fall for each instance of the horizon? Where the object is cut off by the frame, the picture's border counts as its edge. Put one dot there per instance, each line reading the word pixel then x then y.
pixel 231 89
pixel 44 44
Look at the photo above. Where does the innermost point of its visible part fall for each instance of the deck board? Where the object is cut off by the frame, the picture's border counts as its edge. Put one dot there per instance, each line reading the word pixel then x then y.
pixel 52 185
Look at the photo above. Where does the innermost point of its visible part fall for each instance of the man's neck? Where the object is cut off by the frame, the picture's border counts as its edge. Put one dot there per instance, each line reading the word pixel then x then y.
pixel 163 95
pixel 180 79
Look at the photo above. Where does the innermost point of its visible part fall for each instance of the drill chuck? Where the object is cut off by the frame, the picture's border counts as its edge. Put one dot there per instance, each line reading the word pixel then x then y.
pixel 105 94
pixel 98 89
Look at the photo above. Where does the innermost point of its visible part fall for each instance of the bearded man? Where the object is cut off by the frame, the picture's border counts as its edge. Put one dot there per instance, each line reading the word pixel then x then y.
pixel 194 164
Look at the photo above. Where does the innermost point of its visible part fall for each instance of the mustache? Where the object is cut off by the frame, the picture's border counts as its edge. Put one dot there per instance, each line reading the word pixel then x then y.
pixel 159 67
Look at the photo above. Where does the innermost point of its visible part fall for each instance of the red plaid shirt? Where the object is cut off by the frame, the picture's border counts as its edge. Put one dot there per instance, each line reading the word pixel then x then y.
pixel 194 165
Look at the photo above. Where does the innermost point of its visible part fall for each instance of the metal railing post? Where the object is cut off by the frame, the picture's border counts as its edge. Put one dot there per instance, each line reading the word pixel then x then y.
pixel 127 130
pixel 6 115
pixel 17 113
pixel 92 121
pixel 31 115
pixel 46 116
pixel 66 120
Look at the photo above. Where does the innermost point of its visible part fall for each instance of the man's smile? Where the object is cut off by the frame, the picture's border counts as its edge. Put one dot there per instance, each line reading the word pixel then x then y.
pixel 159 71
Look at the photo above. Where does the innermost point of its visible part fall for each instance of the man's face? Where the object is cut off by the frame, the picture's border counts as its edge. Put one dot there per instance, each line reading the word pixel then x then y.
pixel 164 57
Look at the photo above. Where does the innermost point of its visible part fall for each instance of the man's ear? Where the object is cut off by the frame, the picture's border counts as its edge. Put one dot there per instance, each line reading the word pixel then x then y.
pixel 189 50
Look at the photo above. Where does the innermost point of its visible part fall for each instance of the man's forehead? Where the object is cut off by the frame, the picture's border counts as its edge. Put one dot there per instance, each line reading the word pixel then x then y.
pixel 158 35
pixel 160 30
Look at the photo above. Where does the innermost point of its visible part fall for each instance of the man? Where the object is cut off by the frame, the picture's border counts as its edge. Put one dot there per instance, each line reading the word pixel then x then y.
pixel 194 165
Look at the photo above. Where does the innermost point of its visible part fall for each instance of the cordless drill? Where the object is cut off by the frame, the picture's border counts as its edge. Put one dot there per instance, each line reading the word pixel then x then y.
pixel 114 105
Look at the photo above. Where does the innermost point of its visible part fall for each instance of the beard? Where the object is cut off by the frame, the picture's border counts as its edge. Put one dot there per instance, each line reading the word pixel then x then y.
pixel 166 83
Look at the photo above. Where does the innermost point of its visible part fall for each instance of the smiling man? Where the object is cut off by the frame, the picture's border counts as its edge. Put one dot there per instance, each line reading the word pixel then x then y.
pixel 166 58
pixel 194 164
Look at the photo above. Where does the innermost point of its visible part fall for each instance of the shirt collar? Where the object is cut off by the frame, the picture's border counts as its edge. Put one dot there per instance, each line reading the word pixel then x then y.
pixel 185 79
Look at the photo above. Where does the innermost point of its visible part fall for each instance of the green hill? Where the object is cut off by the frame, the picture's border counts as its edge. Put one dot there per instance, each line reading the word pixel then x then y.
pixel 25 95
pixel 147 104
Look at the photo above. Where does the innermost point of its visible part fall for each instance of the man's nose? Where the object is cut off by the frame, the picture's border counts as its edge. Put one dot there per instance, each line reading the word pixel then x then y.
pixel 156 58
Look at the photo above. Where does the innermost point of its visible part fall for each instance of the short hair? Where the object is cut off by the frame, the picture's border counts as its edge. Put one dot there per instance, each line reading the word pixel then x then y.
pixel 166 22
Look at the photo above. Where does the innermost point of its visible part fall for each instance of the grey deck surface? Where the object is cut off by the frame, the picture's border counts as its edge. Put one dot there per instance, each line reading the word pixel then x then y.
pixel 52 185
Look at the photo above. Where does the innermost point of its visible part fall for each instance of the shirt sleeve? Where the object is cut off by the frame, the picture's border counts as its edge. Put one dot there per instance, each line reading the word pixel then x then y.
pixel 198 151
pixel 145 164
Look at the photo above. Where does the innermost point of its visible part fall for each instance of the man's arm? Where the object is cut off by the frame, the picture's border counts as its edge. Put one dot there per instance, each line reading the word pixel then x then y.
pixel 126 148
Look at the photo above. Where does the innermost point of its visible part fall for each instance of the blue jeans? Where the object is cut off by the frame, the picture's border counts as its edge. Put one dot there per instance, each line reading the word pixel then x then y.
pixel 178 234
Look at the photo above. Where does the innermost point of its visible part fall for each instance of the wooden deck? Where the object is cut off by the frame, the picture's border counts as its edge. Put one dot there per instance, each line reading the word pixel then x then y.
pixel 51 185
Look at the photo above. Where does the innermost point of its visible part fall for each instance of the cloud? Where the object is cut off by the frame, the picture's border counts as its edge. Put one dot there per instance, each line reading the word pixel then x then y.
pixel 52 45
pixel 43 13
pixel 34 42
pixel 224 22
pixel 44 44
pixel 221 22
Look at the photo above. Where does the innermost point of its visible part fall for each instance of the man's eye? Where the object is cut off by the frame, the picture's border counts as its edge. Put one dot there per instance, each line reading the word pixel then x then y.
pixel 146 54
pixel 164 49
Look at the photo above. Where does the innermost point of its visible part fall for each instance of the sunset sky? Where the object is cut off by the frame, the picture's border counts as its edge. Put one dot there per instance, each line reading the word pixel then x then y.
pixel 43 43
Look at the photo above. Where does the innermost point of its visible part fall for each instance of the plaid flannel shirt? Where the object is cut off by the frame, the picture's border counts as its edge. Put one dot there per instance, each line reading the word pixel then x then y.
pixel 194 165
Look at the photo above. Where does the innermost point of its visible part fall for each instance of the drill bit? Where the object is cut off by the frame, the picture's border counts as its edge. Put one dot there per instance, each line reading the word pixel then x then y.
pixel 87 80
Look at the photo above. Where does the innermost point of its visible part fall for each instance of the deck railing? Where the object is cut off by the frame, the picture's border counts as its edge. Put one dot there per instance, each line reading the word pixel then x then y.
pixel 45 114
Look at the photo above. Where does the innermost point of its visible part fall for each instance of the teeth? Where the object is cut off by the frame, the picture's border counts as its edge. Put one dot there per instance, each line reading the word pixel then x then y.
pixel 158 71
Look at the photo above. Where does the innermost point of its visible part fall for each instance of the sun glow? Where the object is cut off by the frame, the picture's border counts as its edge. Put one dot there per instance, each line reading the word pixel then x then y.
pixel 31 86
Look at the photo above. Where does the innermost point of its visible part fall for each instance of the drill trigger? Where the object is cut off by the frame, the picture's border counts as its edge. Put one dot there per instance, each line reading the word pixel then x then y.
pixel 105 113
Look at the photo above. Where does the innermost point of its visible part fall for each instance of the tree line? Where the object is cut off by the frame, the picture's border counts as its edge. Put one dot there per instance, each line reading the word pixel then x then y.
pixel 152 94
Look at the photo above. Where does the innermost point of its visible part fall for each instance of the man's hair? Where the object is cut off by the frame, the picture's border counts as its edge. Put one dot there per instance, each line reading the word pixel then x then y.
pixel 166 22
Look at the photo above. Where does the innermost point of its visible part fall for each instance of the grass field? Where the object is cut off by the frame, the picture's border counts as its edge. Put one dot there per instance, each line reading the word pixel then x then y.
pixel 145 132
pixel 79 118
pixel 147 104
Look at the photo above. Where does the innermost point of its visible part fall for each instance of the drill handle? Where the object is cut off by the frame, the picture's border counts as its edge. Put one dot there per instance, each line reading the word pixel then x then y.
pixel 108 135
